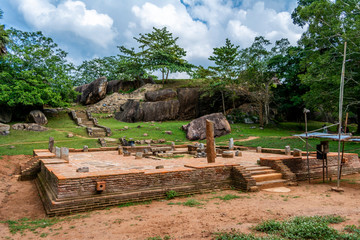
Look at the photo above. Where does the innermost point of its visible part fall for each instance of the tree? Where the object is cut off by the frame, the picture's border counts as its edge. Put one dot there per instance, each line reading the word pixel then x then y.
pixel 225 69
pixel 34 72
pixel 159 51
pixel 258 73
pixel 4 37
pixel 330 25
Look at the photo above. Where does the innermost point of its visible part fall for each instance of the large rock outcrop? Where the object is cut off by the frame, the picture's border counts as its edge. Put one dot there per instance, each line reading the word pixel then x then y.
pixel 134 111
pixel 115 86
pixel 5 114
pixel 36 116
pixel 160 95
pixel 196 129
pixel 93 92
pixel 188 99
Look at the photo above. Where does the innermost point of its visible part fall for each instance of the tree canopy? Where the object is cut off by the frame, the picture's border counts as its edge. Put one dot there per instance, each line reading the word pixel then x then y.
pixel 158 51
pixel 34 71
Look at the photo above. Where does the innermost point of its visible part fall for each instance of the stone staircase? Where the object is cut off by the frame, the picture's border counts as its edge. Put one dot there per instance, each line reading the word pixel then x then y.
pixel 84 119
pixel 29 170
pixel 265 177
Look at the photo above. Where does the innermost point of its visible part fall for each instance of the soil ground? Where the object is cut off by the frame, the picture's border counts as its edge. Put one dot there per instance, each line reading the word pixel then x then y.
pixel 158 218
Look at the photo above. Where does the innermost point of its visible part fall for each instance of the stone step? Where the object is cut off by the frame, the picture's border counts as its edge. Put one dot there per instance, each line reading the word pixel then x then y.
pixel 271 183
pixel 265 171
pixel 267 177
pixel 256 168
pixel 96 129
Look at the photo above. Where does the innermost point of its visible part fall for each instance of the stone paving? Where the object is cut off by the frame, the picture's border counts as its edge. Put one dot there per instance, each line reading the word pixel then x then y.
pixel 110 163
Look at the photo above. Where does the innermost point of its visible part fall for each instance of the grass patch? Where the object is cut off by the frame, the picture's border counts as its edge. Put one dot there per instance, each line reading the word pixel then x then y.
pixel 166 237
pixel 227 197
pixel 27 224
pixel 129 204
pixel 189 203
pixel 315 227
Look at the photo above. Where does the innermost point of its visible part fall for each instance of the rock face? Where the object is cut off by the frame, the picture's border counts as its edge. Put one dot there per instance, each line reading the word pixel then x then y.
pixel 134 111
pixel 188 99
pixel 29 127
pixel 93 92
pixel 160 95
pixel 5 114
pixel 196 129
pixel 4 129
pixel 117 85
pixel 36 116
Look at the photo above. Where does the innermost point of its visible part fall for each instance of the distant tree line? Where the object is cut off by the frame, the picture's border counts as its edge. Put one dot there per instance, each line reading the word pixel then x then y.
pixel 280 79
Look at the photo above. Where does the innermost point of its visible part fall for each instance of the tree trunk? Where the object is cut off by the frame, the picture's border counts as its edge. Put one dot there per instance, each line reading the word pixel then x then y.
pixel 266 104
pixel 163 75
pixel 358 119
pixel 223 101
pixel 261 116
pixel 167 75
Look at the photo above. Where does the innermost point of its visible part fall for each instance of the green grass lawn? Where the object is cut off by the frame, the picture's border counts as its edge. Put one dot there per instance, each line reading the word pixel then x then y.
pixel 23 142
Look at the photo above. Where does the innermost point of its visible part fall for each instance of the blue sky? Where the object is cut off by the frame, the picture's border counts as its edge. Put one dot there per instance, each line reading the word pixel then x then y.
pixel 94 28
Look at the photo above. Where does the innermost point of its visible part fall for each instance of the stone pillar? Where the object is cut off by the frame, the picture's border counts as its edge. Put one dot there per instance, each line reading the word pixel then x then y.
pixel 172 146
pixel 258 149
pixel 85 148
pixel 231 144
pixel 120 150
pixel 64 153
pixel 287 150
pixel 57 152
pixel 51 144
pixel 210 146
pixel 297 153
pixel 138 155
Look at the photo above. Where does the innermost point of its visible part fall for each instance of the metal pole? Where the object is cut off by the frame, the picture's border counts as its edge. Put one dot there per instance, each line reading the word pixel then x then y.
pixel 307 146
pixel 341 97
pixel 343 144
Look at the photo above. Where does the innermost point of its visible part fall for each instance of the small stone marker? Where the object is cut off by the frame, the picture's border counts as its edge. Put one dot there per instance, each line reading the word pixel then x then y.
pixel 145 135
pixel 146 151
pixel 57 152
pixel 159 167
pixel 231 144
pixel 210 142
pixel 168 132
pixel 127 153
pixel 51 144
pixel 125 127
pixel 297 153
pixel 120 150
pixel 70 135
pixel 85 148
pixel 287 150
pixel 201 147
pixel 258 149
pixel 172 146
pixel 227 154
pixel 82 169
pixel 138 155
pixel 64 153
pixel 238 154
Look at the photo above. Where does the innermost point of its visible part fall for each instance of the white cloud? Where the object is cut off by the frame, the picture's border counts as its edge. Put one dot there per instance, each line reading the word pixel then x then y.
pixel 69 16
pixel 193 35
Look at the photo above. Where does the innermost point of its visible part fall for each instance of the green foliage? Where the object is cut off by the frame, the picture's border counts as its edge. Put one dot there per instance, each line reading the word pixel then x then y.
pixel 241 236
pixel 4 37
pixel 171 194
pixel 192 203
pixel 113 68
pixel 227 197
pixel 27 224
pixel 329 25
pixel 315 227
pixel 159 51
pixel 34 72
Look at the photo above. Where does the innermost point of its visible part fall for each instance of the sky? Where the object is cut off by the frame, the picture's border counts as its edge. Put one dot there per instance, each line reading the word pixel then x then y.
pixel 94 28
